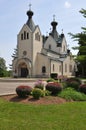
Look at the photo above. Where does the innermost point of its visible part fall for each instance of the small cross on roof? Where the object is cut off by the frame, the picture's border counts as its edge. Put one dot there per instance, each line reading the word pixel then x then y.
pixel 62 31
pixel 30 6
pixel 54 17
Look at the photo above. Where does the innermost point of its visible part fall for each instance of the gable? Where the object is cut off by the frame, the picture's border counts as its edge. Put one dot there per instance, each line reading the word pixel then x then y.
pixel 64 45
pixel 25 33
pixel 50 42
pixel 37 36
pixel 37 29
pixel 24 28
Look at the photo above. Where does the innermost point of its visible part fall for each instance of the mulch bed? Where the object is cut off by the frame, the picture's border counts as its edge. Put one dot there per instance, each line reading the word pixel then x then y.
pixel 30 100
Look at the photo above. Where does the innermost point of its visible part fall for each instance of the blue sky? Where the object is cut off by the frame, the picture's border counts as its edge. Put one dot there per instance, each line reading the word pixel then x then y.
pixel 13 17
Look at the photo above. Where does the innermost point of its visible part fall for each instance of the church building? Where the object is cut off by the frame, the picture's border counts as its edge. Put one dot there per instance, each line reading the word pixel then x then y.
pixel 41 56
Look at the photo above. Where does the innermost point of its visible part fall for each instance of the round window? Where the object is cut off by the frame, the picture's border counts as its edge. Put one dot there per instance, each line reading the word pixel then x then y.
pixel 24 53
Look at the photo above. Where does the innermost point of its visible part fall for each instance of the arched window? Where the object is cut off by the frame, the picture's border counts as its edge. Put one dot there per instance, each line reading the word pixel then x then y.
pixel 27 35
pixel 37 36
pixel 24 53
pixel 70 68
pixel 24 35
pixel 49 47
pixel 43 69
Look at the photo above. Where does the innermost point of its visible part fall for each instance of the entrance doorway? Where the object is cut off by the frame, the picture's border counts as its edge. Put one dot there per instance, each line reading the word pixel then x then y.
pixel 24 72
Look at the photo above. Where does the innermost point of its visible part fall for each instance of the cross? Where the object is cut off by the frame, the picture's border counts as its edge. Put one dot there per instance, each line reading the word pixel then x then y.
pixel 46 33
pixel 68 46
pixel 30 6
pixel 62 31
pixel 50 29
pixel 54 17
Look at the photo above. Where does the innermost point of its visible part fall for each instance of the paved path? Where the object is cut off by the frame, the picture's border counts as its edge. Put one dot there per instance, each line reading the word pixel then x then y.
pixel 9 87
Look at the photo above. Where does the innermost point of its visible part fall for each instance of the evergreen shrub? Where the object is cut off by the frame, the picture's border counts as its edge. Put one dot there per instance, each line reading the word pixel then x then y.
pixel 37 93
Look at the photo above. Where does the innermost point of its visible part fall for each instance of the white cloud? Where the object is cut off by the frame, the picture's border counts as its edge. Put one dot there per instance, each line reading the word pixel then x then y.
pixel 67 4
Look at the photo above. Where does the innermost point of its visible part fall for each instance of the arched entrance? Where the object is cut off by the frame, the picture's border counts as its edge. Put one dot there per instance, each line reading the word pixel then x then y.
pixel 24 72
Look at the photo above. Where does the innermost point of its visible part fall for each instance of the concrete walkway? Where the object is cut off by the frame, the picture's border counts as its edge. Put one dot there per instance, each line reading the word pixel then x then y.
pixel 8 85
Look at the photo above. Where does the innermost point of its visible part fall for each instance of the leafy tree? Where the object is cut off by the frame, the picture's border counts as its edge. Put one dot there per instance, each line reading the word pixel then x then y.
pixel 3 68
pixel 81 56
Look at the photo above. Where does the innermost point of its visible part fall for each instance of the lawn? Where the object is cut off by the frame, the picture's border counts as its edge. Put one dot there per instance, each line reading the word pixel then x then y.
pixel 67 116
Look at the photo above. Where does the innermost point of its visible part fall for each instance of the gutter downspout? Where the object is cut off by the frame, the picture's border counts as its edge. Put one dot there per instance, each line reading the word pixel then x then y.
pixel 62 68
pixel 50 67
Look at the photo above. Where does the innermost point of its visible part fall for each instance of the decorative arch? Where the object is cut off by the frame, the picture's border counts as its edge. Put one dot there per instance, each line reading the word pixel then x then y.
pixel 23 67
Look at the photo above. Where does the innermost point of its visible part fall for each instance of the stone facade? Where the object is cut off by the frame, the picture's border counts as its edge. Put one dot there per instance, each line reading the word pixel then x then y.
pixel 39 56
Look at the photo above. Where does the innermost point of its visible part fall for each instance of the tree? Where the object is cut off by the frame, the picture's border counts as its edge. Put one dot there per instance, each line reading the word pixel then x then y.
pixel 81 56
pixel 3 68
pixel 15 54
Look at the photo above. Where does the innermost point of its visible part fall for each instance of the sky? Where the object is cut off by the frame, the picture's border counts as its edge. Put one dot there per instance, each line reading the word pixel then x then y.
pixel 13 17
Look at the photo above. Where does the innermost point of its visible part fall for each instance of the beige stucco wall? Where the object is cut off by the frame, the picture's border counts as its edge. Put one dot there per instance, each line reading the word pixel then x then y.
pixel 55 67
pixel 42 60
pixel 67 62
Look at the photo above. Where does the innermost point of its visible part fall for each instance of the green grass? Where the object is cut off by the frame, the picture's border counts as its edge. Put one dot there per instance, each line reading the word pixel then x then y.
pixel 68 116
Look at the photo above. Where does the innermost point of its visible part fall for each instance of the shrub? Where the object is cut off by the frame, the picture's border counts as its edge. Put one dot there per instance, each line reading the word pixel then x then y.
pixel 37 93
pixel 71 94
pixel 39 84
pixel 23 91
pixel 51 80
pixel 73 83
pixel 82 88
pixel 63 85
pixel 46 93
pixel 74 79
pixel 54 88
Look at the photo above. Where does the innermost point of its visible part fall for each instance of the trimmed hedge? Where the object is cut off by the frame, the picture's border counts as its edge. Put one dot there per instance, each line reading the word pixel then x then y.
pixel 82 88
pixel 23 91
pixel 73 83
pixel 54 88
